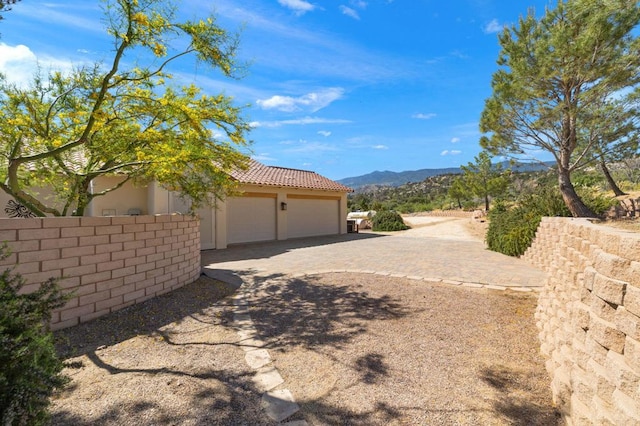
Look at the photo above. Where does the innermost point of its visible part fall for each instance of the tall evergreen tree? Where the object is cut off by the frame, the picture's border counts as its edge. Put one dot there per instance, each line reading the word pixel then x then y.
pixel 553 71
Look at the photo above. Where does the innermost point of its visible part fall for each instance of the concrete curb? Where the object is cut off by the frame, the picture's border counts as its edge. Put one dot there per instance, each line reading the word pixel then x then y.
pixel 421 278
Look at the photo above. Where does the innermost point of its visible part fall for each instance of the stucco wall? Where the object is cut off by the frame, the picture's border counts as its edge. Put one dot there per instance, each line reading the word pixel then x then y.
pixel 215 219
pixel 108 262
pixel 589 319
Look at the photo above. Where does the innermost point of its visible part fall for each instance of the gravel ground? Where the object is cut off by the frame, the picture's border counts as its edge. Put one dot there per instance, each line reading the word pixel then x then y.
pixel 173 360
pixel 368 350
pixel 354 349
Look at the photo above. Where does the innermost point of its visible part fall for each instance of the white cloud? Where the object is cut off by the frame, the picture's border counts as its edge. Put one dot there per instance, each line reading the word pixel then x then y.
pixel 313 102
pixel 349 12
pixel 81 15
pixel 19 63
pixel 299 121
pixel 264 158
pixel 332 56
pixel 459 54
pixel 324 133
pixel 303 146
pixel 421 116
pixel 455 140
pixel 380 147
pixel 299 6
pixel 452 152
pixel 493 27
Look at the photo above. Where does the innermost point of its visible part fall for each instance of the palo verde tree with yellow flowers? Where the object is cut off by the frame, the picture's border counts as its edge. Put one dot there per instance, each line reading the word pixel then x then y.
pixel 66 129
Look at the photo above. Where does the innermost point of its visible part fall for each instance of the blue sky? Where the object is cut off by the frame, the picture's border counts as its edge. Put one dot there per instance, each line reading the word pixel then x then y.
pixel 341 87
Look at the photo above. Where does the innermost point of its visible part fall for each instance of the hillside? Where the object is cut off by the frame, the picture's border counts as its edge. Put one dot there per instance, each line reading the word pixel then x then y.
pixel 388 178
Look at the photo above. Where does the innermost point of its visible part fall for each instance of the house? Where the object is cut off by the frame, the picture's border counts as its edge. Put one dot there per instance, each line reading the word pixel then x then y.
pixel 273 203
pixel 276 203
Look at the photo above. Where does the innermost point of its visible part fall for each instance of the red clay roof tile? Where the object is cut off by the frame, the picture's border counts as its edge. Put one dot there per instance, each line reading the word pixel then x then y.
pixel 260 174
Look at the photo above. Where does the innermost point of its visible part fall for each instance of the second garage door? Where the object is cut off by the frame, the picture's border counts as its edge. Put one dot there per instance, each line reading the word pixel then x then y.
pixel 251 219
pixel 308 216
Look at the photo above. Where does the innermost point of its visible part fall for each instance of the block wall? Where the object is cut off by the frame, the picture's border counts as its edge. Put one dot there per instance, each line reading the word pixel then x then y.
pixel 589 319
pixel 107 262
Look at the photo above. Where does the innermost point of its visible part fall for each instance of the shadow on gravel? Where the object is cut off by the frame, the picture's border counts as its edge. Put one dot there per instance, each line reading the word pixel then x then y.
pixel 145 318
pixel 210 396
pixel 236 406
pixel 302 312
pixel 512 398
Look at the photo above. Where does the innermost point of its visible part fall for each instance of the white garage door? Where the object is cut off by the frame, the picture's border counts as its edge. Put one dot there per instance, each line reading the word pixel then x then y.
pixel 251 219
pixel 308 217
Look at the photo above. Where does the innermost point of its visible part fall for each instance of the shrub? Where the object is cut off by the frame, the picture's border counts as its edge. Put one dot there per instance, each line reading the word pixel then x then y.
pixel 30 369
pixel 597 202
pixel 511 230
pixel 388 220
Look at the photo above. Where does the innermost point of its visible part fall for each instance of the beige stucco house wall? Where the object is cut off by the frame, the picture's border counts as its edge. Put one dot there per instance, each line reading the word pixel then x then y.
pixel 267 213
pixel 273 203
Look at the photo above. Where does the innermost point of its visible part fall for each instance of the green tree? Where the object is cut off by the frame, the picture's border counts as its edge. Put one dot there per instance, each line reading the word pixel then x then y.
pixel 65 130
pixel 458 191
pixel 613 130
pixel 553 69
pixel 485 179
pixel 30 368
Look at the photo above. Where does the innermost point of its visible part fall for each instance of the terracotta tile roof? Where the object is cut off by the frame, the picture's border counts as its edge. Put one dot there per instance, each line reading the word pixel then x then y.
pixel 260 174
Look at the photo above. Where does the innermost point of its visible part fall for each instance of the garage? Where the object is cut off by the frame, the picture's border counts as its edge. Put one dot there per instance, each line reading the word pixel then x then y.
pixel 309 216
pixel 251 218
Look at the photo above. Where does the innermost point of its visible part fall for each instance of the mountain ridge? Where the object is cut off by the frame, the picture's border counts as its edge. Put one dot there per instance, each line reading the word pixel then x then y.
pixel 389 178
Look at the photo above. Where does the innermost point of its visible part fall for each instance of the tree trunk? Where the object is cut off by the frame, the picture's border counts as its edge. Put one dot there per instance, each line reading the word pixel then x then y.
pixel 573 202
pixel 486 203
pixel 612 183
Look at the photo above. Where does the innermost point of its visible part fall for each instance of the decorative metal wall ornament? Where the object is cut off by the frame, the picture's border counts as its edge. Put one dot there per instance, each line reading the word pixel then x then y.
pixel 15 209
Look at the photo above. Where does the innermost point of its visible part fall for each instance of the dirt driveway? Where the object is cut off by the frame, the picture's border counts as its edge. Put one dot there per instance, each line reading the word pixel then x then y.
pixel 361 349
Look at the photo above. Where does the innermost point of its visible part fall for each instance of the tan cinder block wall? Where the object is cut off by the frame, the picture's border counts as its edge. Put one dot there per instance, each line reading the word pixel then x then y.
pixel 108 262
pixel 589 319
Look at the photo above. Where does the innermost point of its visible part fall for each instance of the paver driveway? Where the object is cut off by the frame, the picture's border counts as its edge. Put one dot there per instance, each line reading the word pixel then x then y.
pixel 436 248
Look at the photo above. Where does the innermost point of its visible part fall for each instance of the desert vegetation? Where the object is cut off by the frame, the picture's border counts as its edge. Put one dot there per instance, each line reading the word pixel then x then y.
pixel 517 208
pixel 31 370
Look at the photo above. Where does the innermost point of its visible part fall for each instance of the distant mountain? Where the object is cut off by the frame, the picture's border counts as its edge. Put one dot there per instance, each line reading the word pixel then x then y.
pixel 387 178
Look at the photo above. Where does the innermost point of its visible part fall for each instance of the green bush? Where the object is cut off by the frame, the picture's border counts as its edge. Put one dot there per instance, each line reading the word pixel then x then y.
pixel 388 220
pixel 511 230
pixel 597 202
pixel 30 369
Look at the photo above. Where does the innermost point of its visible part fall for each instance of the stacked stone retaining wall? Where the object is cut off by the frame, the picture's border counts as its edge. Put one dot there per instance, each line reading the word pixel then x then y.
pixel 107 262
pixel 589 319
